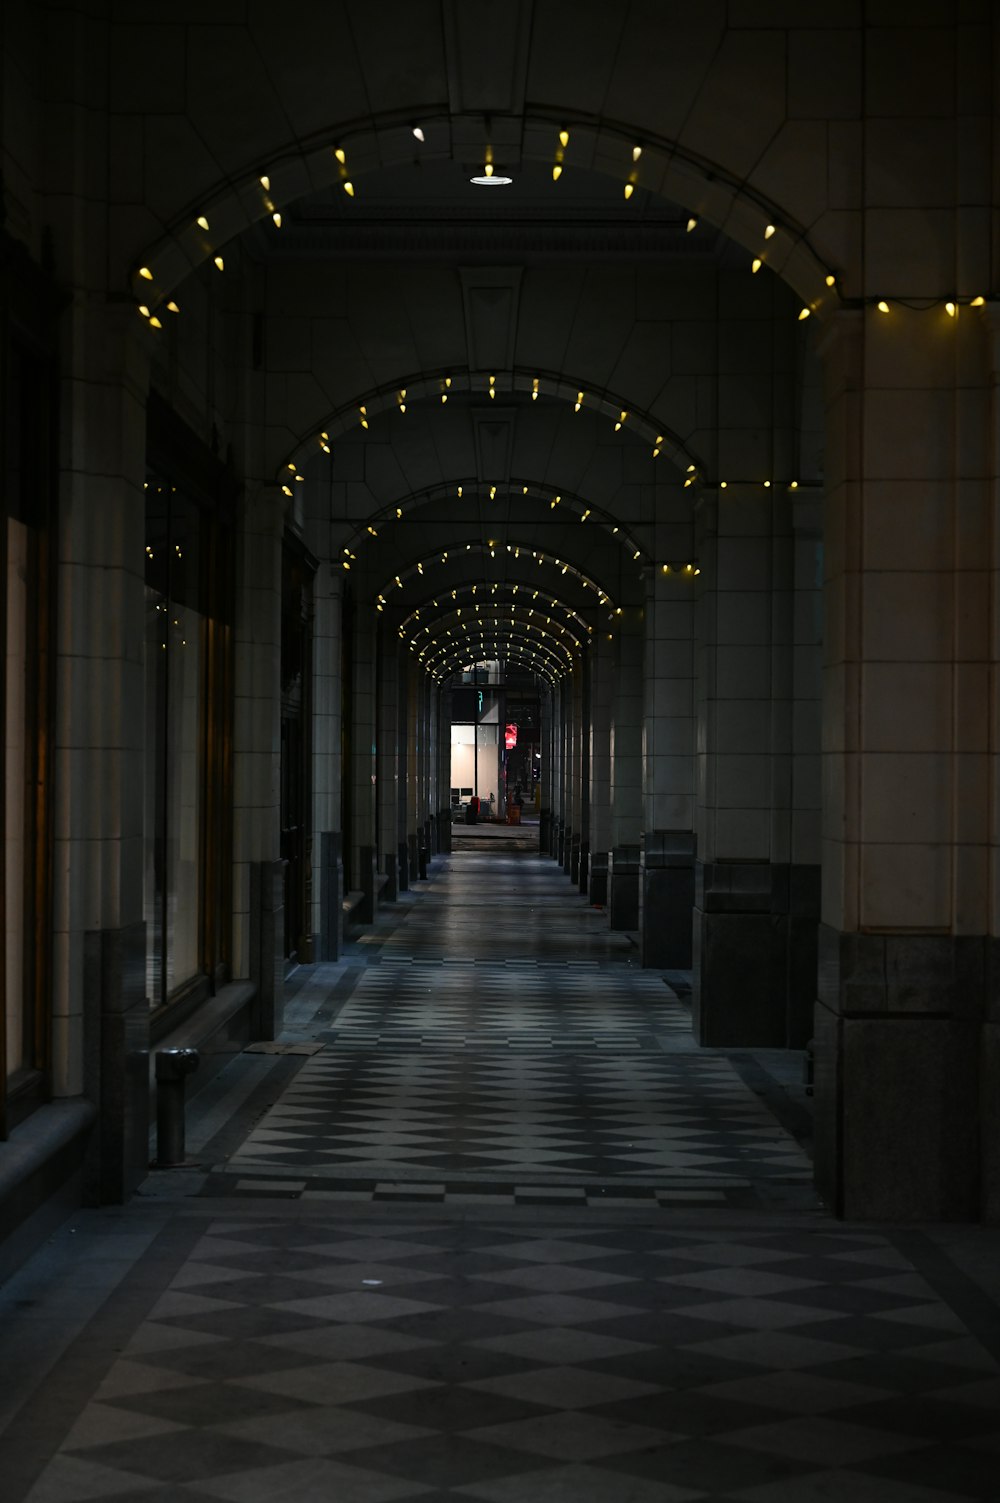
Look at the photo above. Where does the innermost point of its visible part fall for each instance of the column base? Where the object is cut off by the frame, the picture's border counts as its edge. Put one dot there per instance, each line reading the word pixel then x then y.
pixel 598 878
pixel 666 899
pixel 623 887
pixel 903 1060
pixel 754 953
pixel 115 998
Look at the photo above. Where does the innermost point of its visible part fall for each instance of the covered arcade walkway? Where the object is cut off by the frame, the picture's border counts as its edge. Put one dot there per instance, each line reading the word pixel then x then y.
pixel 484 1223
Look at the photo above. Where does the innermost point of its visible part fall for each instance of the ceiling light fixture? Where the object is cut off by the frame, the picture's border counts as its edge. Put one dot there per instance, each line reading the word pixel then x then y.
pixel 489 180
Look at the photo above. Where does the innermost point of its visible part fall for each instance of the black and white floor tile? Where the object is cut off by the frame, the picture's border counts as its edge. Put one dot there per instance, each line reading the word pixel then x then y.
pixel 316 1361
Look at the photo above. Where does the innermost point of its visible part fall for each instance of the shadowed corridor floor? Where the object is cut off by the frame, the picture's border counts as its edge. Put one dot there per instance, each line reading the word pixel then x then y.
pixel 485 1223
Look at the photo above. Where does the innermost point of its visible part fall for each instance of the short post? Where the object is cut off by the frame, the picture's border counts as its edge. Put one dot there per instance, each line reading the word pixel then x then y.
pixel 173 1066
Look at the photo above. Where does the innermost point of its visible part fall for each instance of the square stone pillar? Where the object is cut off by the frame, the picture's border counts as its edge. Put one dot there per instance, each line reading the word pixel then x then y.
pixel 626 773
pixel 601 668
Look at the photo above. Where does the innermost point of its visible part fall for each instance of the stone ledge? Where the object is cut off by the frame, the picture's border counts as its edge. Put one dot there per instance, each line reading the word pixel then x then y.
pixel 41 1168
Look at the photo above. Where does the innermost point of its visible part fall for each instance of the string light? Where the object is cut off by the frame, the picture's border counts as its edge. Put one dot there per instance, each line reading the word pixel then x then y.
pixel 768 231
pixel 556 172
pixel 629 190
pixel 831 280
pixel 657 446
pixel 349 189
pixel 621 418
pixel 201 222
pixel 172 307
pixel 340 154
pixel 977 302
pixel 277 220
pixel 418 133
pixel 265 183
pixel 220 263
pixel 756 264
pixel 950 309
pixel 636 153
pixel 804 313
pixel 579 401
pixel 364 416
pixel 145 273
pixel 564 138
pixel 691 224
pixel 882 305
pixel 534 389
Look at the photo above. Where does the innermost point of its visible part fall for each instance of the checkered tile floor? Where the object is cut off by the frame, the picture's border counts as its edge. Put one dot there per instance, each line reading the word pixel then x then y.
pixel 544 1081
pixel 315 1361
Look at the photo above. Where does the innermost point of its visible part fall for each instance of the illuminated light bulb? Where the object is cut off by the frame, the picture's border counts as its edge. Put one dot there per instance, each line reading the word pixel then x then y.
pixel 804 313
pixel 399 511
pixel 220 263
pixel 636 554
pixel 767 485
pixel 172 307
pixel 277 220
pixel 488 169
pixel 636 153
pixel 793 485
pixel 287 490
pixel 144 310
pixel 201 222
pixel 556 173
pixel 524 490
pixel 145 273
pixel 689 568
pixel 697 570
pixel 579 401
pixel 324 447
pixel 349 189
pixel 340 154
pixel 265 183
pixel 666 568
pixel 689 481
pixel 418 133
pixel 690 469
pixel 564 138
pixel 293 468
pixel 723 484
pixel 460 493
pixel 691 224
pixel 882 305
pixel 629 189
pixel 373 532
pixel 493 492
pixel 585 515
pixel 444 398
pixel 768 231
pixel 402 393
pixel 950 309
pixel 154 323
pixel 346 565
pixel 756 264
pixel 977 302
pixel 493 392
pixel 831 280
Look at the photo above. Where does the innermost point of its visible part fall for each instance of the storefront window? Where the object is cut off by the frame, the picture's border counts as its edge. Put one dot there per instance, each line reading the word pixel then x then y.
pixel 188 561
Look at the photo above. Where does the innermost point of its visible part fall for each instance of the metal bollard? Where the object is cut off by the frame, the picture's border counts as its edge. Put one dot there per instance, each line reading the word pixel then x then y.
pixel 173 1066
pixel 422 863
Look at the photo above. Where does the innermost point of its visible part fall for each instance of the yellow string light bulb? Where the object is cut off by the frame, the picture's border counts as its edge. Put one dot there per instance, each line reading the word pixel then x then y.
pixel 556 173
pixel 340 154
pixel 756 264
pixel 488 169
pixel 172 307
pixel 723 484
pixel 154 323
pixel 277 220
pixel 144 310
pixel 950 309
pixel 145 273
pixel 691 224
pixel 768 231
pixel 265 183
pixel 579 401
pixel 636 153
pixel 444 398
pixel 220 263
pixel 629 189
pixel 831 280
pixel 418 133
pixel 201 222
pixel 804 313
pixel 564 138
pixel 349 189
pixel 977 302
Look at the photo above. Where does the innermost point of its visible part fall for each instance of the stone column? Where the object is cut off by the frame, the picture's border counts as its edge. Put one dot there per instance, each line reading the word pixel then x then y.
pixel 626 773
pixel 413 767
pixel 666 891
pixel 363 773
pixel 601 668
pixel 100 1012
pixel 387 745
pixel 908 969
pixel 443 711
pixel 328 871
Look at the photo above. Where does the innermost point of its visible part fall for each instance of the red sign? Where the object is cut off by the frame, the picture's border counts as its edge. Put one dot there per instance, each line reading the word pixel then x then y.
pixel 510 735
